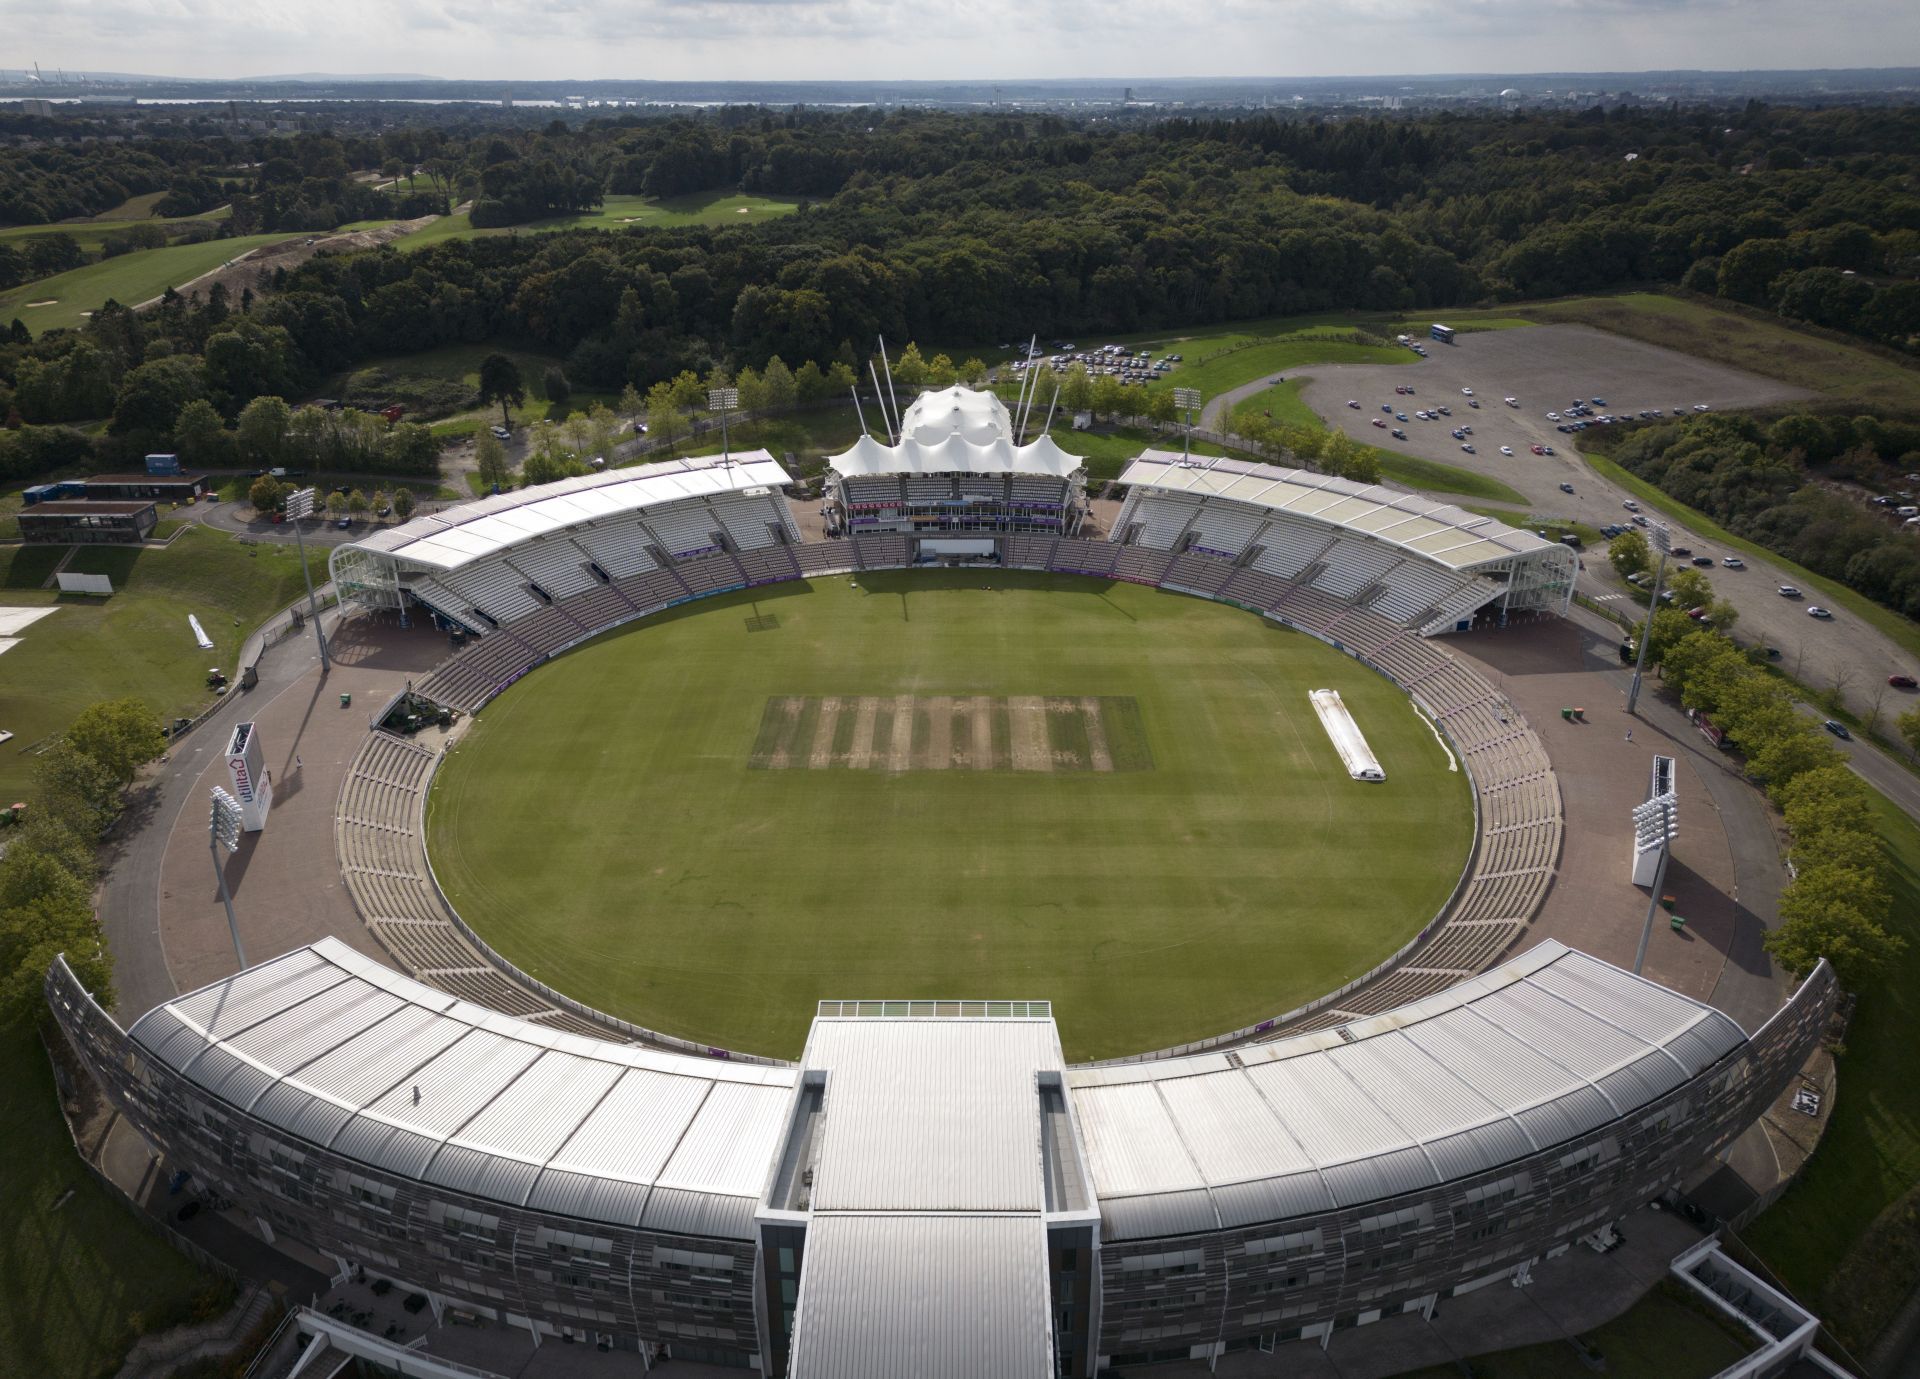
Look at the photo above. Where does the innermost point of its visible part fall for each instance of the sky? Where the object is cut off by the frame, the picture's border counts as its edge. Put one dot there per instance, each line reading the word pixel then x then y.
pixel 983 40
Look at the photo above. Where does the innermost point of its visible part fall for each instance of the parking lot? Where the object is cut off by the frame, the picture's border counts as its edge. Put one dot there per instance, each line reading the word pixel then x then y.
pixel 1545 368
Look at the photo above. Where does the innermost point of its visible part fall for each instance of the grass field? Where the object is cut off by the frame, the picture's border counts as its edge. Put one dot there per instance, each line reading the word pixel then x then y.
pixel 604 827
pixel 73 1273
pixel 1666 1335
pixel 129 279
pixel 1228 364
pixel 620 213
pixel 1870 1155
pixel 137 641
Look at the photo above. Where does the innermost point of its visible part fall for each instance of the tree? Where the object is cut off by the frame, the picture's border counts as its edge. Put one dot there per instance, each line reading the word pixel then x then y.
pixel 357 503
pixel 262 430
pixel 500 382
pixel 941 373
pixel 1690 588
pixel 75 789
pixel 266 493
pixel 557 386
pixel 403 503
pixel 1076 392
pixel 782 390
pixel 1821 916
pixel 121 734
pixel 910 370
pixel 201 437
pixel 810 385
pixel 973 373
pixel 1909 725
pixel 1628 552
pixel 631 403
pixel 152 395
pixel 490 462
pixel 336 503
pixel 666 422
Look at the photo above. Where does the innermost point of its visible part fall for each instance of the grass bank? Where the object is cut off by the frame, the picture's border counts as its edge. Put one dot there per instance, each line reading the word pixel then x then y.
pixel 80 1278
pixel 1830 1223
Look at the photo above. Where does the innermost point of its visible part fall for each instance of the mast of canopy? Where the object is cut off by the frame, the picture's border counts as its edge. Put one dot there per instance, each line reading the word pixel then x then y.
pixel 1050 406
pixel 1020 431
pixel 881 398
pixel 898 430
pixel 858 411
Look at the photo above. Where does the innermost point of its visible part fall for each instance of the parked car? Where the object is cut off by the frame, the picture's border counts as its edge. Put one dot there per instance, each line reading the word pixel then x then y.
pixel 1566 488
pixel 1734 562
pixel 1789 591
pixel 1353 404
pixel 1466 392
pixel 1381 422
pixel 1538 450
pixel 1901 681
pixel 1630 505
pixel 500 432
pixel 1838 729
pixel 1469 449
pixel 1816 611
pixel 1546 450
pixel 1398 434
pixel 1705 562
pixel 1506 450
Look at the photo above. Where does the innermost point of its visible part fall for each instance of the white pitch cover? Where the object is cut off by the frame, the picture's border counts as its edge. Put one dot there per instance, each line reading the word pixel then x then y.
pixel 1347 737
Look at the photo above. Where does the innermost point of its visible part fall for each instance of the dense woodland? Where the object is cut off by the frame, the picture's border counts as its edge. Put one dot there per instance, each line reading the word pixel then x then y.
pixel 955 230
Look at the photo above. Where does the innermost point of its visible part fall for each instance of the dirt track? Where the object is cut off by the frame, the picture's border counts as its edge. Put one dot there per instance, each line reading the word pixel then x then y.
pixel 249 270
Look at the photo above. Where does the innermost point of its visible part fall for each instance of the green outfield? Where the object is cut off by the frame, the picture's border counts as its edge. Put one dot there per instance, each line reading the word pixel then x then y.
pixel 611 825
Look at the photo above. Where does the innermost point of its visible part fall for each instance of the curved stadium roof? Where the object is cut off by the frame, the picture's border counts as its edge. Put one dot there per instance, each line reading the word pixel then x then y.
pixel 467 532
pixel 1440 532
pixel 1545 1047
pixel 328 1047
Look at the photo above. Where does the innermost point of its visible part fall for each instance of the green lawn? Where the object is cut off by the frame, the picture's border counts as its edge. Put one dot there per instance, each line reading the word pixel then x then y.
pixel 136 641
pixel 77 1273
pixel 670 882
pixel 1666 1335
pixel 621 213
pixel 408 378
pixel 1870 1156
pixel 1217 369
pixel 1904 633
pixel 129 279
pixel 1691 325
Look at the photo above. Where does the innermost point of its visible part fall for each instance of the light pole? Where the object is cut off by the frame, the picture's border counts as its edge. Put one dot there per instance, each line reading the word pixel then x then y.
pixel 300 504
pixel 1188 401
pixel 1663 542
pixel 723 400
pixel 1659 880
pixel 223 831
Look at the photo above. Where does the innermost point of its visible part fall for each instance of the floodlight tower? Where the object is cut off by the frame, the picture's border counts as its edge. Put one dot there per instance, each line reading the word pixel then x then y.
pixel 223 831
pixel 723 400
pixel 1188 401
pixel 1643 817
pixel 300 504
pixel 1662 538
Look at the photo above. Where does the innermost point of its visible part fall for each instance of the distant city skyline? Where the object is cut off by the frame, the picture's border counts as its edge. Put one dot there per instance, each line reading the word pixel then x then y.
pixel 509 40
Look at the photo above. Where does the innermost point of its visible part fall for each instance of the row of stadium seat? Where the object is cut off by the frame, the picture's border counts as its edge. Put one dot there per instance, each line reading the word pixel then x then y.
pixel 383 863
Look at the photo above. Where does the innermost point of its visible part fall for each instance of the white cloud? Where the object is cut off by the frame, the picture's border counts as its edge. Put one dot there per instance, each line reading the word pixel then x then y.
pixel 508 40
